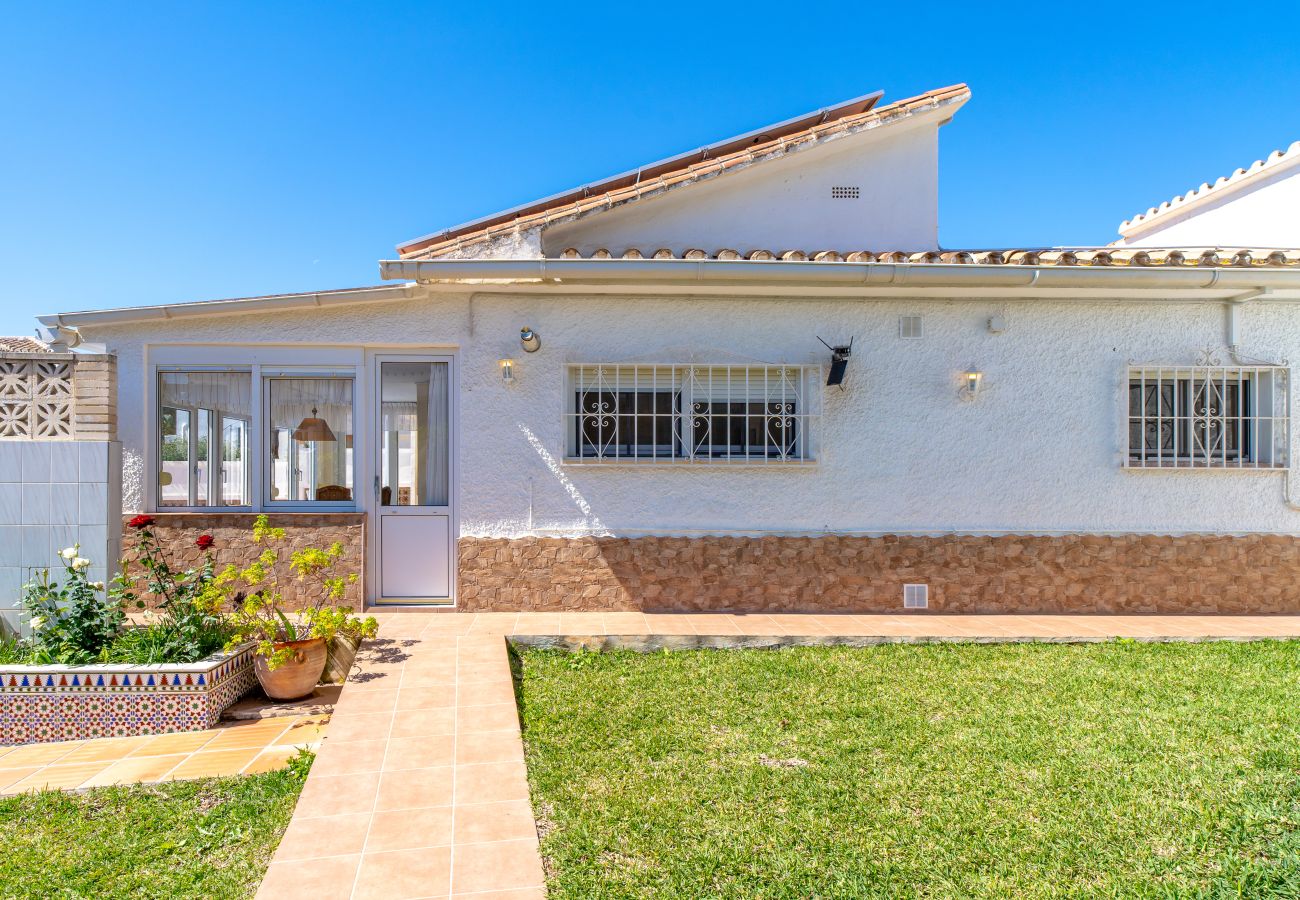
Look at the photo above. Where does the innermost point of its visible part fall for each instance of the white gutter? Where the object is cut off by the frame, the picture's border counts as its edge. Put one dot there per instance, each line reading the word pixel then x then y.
pixel 834 274
pixel 277 302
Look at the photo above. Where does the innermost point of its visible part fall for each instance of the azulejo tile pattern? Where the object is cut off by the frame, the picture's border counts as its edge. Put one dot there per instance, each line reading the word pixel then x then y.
pixel 40 704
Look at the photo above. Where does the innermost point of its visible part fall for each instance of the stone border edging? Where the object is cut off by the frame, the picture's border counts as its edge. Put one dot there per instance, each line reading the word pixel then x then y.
pixel 649 643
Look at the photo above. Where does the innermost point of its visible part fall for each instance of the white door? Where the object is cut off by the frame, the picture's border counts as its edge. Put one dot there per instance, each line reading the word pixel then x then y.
pixel 413 484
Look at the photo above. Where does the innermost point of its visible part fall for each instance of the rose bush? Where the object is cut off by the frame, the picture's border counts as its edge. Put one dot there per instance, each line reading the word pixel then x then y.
pixel 189 624
pixel 71 622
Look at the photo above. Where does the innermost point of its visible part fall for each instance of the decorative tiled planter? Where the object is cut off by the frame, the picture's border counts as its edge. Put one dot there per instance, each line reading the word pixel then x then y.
pixel 39 704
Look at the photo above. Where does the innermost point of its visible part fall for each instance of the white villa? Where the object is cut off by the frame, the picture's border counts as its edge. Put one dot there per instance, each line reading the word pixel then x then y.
pixel 625 396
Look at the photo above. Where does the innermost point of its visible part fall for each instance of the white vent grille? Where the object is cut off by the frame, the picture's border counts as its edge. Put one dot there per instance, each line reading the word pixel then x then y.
pixel 910 327
pixel 846 192
pixel 916 596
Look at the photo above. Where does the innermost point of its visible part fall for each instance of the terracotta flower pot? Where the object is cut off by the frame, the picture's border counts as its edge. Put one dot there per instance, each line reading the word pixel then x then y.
pixel 342 652
pixel 298 676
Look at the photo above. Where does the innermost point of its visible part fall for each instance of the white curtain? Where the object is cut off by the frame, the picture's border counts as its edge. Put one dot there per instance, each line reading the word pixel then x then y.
pixel 293 399
pixel 230 393
pixel 435 464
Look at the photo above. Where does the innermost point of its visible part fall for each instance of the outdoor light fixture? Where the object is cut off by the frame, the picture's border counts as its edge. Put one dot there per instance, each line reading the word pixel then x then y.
pixel 313 429
pixel 839 362
pixel 972 377
pixel 532 343
pixel 507 370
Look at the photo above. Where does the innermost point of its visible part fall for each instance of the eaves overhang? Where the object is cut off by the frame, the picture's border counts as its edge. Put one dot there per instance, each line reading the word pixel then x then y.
pixel 746 276
pixel 235 306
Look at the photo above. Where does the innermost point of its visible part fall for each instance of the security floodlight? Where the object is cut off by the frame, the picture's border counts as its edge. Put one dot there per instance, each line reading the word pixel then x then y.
pixel 839 362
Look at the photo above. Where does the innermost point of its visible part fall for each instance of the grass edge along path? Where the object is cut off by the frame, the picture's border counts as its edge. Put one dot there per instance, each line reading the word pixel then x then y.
pixel 941 770
pixel 208 838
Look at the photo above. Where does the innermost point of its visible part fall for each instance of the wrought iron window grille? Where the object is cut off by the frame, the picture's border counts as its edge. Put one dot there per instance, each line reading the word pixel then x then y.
pixel 1208 417
pixel 675 413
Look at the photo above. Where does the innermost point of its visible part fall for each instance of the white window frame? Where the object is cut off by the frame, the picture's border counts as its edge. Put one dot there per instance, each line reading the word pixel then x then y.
pixel 270 375
pixel 693 384
pixel 155 437
pixel 1198 437
pixel 261 360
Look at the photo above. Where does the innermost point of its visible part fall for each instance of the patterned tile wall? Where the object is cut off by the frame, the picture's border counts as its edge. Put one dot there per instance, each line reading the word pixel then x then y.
pixel 39 704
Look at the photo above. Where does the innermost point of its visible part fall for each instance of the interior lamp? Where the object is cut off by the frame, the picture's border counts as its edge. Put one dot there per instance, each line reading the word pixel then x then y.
pixel 507 371
pixel 313 429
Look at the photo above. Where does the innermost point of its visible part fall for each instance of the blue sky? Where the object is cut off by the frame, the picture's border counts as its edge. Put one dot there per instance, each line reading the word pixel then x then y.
pixel 162 153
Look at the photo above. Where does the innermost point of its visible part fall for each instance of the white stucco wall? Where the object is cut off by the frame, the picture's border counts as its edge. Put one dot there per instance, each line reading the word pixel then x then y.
pixel 1038 451
pixel 1263 211
pixel 786 204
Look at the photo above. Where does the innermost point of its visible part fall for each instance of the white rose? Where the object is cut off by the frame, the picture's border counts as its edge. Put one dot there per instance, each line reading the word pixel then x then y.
pixel 38 622
pixel 70 552
pixel 80 563
pixel 97 585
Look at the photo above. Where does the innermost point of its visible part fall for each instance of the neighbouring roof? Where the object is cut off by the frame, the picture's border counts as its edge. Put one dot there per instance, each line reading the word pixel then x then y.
pixel 1274 162
pixel 1044 256
pixel 686 168
pixel 23 345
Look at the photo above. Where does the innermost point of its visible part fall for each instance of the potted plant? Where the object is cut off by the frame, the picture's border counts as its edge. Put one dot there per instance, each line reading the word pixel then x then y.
pixel 349 632
pixel 292 647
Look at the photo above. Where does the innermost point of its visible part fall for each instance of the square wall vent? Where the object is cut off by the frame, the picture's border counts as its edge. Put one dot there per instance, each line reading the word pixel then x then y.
pixel 910 327
pixel 916 596
pixel 846 192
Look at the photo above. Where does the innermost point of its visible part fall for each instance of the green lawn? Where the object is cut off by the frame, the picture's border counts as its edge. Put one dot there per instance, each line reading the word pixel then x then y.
pixel 184 839
pixel 1034 770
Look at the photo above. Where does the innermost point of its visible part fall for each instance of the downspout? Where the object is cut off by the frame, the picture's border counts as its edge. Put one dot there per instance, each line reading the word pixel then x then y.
pixel 60 337
pixel 1233 308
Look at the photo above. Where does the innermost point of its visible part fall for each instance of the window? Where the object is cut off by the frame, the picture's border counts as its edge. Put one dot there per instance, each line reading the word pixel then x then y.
pixel 910 327
pixel 1208 417
pixel 309 439
pixel 203 426
pixel 414 464
pixel 635 413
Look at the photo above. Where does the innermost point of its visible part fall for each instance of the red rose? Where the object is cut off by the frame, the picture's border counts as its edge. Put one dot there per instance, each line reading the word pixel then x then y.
pixel 204 541
pixel 141 522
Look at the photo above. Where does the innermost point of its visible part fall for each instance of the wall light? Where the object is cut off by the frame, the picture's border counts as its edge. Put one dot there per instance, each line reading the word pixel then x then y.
pixel 507 370
pixel 531 342
pixel 973 378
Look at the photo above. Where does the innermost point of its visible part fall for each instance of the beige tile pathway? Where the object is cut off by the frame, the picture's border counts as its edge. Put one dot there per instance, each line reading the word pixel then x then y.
pixel 420 790
pixel 234 749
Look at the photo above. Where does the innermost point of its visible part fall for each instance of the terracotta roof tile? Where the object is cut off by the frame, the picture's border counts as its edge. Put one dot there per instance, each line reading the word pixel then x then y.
pixel 1143 257
pixel 566 205
pixel 23 345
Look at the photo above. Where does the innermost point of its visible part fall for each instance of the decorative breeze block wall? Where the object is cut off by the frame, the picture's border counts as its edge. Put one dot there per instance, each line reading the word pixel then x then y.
pixel 57 396
pixel 60 467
